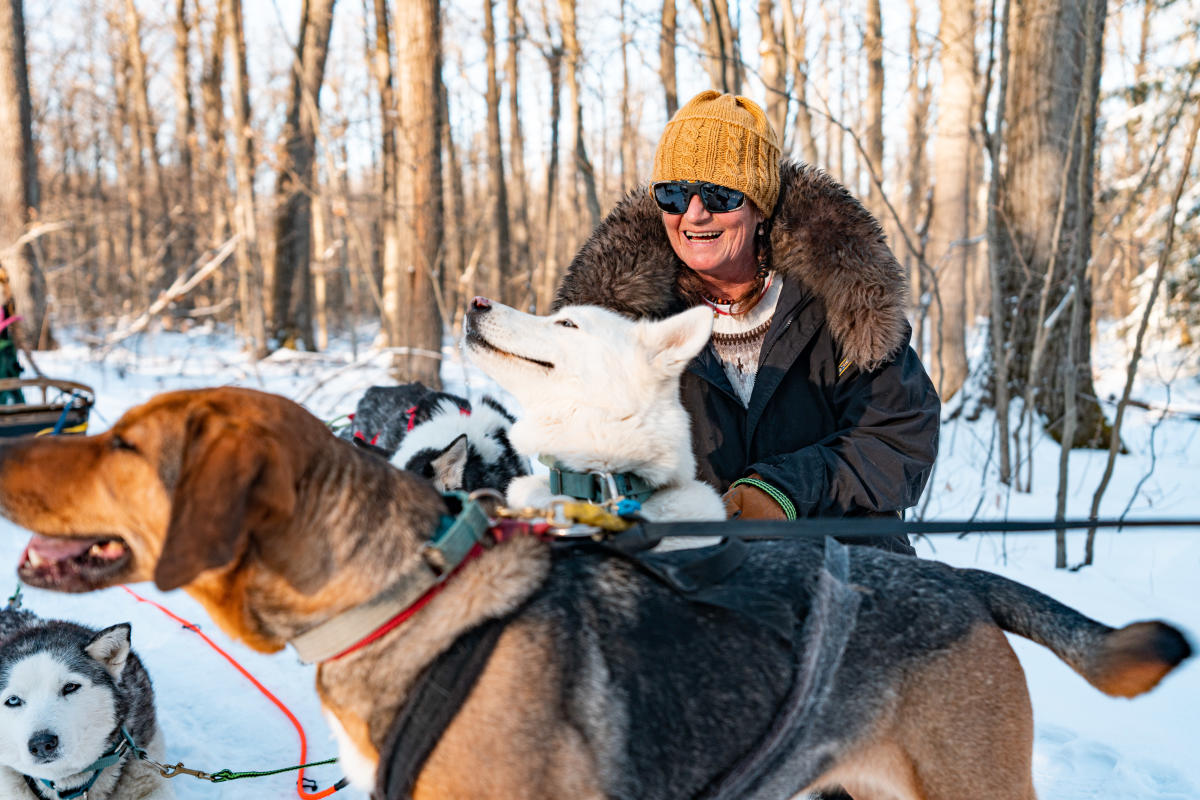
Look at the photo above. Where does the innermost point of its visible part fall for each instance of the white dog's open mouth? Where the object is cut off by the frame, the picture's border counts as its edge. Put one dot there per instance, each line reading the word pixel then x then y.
pixel 73 565
pixel 475 340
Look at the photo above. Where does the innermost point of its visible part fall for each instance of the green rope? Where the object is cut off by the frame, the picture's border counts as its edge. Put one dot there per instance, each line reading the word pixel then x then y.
pixel 789 510
pixel 14 602
pixel 229 775
pixel 333 423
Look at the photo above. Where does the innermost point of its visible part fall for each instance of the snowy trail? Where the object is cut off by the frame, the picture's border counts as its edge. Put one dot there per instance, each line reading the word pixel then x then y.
pixel 1087 746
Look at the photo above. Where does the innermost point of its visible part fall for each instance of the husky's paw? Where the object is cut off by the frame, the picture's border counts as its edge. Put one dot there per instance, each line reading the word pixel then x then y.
pixel 694 501
pixel 531 491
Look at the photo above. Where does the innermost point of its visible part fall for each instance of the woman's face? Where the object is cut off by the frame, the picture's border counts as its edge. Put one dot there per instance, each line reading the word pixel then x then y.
pixel 719 246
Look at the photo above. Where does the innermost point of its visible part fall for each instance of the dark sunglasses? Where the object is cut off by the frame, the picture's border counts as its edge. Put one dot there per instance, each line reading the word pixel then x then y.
pixel 673 197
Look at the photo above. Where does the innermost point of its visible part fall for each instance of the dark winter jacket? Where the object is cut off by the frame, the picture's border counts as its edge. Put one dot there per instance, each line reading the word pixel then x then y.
pixel 843 417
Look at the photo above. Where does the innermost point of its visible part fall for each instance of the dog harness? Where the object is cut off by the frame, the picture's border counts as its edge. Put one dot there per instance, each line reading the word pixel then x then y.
pixel 430 707
pixel 114 756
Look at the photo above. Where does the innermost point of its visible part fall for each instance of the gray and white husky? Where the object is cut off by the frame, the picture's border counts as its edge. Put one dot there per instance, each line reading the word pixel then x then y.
pixel 66 694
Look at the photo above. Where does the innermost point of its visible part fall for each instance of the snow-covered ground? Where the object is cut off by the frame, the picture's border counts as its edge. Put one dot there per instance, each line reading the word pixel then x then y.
pixel 1088 746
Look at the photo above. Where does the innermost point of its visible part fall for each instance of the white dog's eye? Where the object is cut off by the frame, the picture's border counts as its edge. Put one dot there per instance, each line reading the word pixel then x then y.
pixel 14 702
pixel 566 323
pixel 70 688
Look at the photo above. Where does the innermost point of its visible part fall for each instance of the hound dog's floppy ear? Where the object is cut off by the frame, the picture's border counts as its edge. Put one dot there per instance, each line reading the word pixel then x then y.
pixel 233 480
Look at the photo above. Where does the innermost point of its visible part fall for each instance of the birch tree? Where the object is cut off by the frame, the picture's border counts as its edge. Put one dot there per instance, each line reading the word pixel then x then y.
pixel 948 251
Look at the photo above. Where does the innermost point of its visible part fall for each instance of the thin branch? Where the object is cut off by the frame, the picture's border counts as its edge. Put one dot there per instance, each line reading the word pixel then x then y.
pixel 175 291
pixel 1131 372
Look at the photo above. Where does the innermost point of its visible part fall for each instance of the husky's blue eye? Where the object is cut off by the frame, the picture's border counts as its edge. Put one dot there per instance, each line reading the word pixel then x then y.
pixel 13 702
pixel 566 323
pixel 70 688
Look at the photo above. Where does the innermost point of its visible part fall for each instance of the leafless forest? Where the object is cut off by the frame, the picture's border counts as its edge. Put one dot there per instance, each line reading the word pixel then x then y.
pixel 297 169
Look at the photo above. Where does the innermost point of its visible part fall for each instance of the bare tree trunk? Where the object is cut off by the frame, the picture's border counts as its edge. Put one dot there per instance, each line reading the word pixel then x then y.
pixel 499 269
pixel 250 290
pixel 454 202
pixel 666 57
pixel 183 223
pixel 18 178
pixel 1000 254
pixel 774 68
pixel 146 142
pixel 554 59
pixel 419 46
pixel 914 166
pixel 953 196
pixel 381 66
pixel 519 193
pixel 629 149
pixel 129 174
pixel 131 167
pixel 214 197
pixel 873 43
pixel 1044 211
pixel 583 166
pixel 290 281
pixel 795 38
pixel 722 56
pixel 321 253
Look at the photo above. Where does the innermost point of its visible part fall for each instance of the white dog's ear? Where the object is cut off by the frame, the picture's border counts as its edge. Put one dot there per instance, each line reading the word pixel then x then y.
pixel 110 647
pixel 676 340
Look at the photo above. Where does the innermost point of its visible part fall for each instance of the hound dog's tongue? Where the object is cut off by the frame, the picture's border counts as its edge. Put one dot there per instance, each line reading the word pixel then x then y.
pixel 42 548
pixel 70 564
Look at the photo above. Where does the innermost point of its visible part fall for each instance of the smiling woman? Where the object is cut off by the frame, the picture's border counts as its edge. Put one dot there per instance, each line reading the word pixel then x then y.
pixel 807 400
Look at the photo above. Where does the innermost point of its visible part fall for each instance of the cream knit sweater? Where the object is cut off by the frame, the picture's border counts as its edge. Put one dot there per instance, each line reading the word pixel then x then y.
pixel 738 339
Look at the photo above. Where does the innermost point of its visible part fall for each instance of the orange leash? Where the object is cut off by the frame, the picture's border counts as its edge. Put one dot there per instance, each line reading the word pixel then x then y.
pixel 304 795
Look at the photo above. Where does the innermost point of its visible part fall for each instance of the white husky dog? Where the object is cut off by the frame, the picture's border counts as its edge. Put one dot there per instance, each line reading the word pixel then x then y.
pixel 600 394
pixel 66 694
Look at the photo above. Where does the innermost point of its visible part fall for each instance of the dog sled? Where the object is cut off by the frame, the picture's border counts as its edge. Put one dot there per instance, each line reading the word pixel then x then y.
pixel 43 407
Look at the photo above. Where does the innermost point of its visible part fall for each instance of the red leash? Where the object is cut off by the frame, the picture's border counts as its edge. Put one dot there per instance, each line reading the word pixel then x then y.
pixel 304 795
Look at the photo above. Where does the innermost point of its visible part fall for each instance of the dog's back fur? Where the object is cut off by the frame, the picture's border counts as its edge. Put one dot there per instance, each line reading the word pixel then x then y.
pixel 637 658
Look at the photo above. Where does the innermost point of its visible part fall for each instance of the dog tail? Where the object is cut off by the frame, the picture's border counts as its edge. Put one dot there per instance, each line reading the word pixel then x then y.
pixel 1122 662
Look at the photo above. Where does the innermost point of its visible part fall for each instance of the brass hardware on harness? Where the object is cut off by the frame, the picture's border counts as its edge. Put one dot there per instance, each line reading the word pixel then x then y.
pixel 171 771
pixel 570 519
pixel 180 769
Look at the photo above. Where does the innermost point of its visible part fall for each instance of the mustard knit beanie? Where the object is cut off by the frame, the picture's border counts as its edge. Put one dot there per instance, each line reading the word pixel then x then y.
pixel 724 139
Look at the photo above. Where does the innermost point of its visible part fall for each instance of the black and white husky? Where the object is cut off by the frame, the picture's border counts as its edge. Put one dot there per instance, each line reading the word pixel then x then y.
pixel 68 697
pixel 463 448
pixel 456 444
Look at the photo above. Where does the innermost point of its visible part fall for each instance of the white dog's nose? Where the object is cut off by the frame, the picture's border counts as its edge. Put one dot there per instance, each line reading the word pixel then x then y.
pixel 43 746
pixel 480 304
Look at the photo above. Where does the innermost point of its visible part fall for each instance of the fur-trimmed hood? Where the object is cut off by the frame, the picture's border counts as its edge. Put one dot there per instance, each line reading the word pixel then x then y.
pixel 820 235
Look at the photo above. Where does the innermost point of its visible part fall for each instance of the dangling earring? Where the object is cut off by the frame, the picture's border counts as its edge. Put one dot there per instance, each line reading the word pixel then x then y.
pixel 764 259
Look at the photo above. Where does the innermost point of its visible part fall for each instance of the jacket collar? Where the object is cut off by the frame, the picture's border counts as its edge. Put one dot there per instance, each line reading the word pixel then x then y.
pixel 821 237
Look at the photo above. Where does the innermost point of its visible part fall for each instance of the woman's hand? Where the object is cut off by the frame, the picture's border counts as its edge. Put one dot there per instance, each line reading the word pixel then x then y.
pixel 753 498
